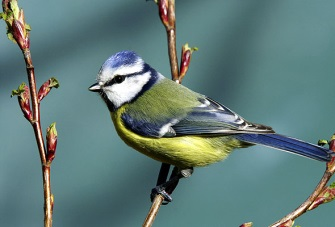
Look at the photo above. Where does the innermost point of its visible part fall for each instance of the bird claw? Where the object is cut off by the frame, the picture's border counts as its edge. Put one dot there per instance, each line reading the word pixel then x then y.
pixel 165 189
pixel 159 190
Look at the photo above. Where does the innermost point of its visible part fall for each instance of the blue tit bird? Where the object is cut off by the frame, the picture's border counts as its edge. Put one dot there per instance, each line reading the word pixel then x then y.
pixel 173 124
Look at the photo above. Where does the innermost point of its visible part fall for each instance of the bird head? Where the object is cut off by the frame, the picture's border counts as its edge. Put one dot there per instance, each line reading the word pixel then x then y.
pixel 122 78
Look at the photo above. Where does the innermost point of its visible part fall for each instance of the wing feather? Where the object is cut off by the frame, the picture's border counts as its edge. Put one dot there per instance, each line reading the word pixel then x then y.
pixel 213 118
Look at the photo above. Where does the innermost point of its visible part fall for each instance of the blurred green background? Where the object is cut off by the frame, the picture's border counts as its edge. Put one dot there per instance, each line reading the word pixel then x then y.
pixel 270 61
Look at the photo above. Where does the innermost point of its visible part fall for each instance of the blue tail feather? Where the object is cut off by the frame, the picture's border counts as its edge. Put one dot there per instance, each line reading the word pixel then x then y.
pixel 288 144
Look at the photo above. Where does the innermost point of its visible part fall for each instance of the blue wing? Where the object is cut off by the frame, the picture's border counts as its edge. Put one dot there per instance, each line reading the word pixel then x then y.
pixel 209 117
pixel 213 118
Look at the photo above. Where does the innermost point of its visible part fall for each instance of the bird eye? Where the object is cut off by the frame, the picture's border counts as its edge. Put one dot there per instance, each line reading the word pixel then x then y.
pixel 119 79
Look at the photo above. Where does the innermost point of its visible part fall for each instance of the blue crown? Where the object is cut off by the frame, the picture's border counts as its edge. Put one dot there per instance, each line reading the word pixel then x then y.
pixel 121 59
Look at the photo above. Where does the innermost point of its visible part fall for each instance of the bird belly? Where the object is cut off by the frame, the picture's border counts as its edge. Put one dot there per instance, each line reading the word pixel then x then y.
pixel 180 151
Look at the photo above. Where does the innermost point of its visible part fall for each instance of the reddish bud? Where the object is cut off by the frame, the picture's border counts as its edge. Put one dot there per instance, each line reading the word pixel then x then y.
pixel 163 11
pixel 23 96
pixel 185 59
pixel 247 224
pixel 288 223
pixel 17 29
pixel 20 34
pixel 46 87
pixel 327 195
pixel 51 142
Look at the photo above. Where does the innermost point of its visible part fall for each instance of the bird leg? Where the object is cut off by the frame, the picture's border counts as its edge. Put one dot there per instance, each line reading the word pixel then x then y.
pixel 166 188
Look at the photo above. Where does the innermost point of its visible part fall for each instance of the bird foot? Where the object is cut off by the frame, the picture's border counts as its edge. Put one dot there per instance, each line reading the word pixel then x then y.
pixel 165 189
pixel 160 190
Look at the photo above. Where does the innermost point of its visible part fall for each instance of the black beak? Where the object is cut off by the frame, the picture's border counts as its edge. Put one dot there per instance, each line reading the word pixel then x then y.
pixel 95 88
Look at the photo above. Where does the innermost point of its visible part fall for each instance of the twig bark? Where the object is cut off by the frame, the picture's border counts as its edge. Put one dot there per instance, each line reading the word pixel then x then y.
pixel 166 9
pixel 18 32
pixel 305 206
pixel 36 124
pixel 171 34
pixel 156 204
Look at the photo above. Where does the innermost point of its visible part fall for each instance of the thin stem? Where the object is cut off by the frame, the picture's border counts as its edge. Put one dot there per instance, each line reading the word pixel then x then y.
pixel 305 205
pixel 171 35
pixel 156 204
pixel 173 55
pixel 48 201
pixel 35 106
pixel 36 124
pixel 32 83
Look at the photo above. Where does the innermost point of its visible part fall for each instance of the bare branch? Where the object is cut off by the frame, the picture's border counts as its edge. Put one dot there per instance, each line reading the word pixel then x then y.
pixel 329 172
pixel 156 204
pixel 18 32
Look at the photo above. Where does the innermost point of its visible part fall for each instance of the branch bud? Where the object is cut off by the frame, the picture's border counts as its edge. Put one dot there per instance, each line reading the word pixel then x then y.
pixel 186 55
pixel 288 223
pixel 322 142
pixel 23 96
pixel 163 11
pixel 20 35
pixel 327 195
pixel 51 142
pixel 17 29
pixel 247 224
pixel 46 87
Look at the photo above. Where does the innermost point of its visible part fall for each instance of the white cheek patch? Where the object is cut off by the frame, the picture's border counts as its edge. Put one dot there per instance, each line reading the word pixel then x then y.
pixel 124 92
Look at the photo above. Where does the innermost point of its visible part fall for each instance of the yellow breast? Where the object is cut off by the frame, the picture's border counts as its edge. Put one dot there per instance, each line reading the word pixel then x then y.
pixel 181 151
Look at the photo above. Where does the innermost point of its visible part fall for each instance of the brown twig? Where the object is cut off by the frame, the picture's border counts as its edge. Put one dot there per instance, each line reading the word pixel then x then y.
pixel 18 32
pixel 167 14
pixel 156 204
pixel 36 124
pixel 306 205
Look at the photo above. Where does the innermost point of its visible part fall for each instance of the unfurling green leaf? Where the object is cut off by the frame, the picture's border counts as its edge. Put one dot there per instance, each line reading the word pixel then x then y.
pixel 17 29
pixel 23 96
pixel 46 87
pixel 19 90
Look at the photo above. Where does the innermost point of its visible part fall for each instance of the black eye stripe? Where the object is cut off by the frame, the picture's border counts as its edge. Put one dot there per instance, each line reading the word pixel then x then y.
pixel 119 79
pixel 116 80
